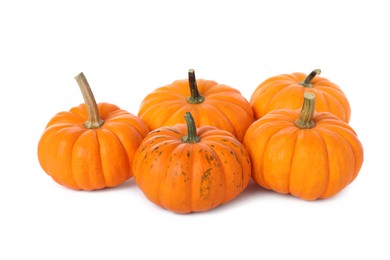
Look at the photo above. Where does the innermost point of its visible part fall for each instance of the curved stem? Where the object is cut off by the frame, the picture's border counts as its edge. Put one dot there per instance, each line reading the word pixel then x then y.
pixel 191 136
pixel 195 97
pixel 307 82
pixel 93 121
pixel 305 119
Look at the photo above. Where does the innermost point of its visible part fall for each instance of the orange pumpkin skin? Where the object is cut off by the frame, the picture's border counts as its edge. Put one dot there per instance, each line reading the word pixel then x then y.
pixel 223 107
pixel 307 163
pixel 88 159
pixel 191 177
pixel 286 91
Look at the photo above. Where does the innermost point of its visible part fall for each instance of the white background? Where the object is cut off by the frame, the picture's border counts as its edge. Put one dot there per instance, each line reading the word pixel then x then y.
pixel 127 49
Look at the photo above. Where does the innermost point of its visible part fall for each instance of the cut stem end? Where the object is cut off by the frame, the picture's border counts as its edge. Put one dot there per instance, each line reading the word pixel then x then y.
pixel 305 119
pixel 195 97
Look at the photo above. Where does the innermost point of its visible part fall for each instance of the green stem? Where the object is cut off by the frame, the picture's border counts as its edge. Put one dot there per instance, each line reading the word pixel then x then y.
pixel 195 97
pixel 93 121
pixel 307 82
pixel 305 119
pixel 191 136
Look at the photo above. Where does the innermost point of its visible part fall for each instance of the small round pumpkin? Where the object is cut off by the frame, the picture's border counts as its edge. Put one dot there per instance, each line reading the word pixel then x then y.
pixel 187 169
pixel 209 103
pixel 286 90
pixel 308 154
pixel 91 146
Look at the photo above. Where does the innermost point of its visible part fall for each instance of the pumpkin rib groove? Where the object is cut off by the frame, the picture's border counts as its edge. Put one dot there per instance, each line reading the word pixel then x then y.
pixel 237 106
pixel 177 112
pixel 278 130
pixel 158 103
pixel 190 187
pixel 165 120
pixel 51 156
pixel 222 169
pixel 78 112
pixel 280 91
pixel 329 88
pixel 154 106
pixel 81 186
pixel 71 157
pixel 228 102
pixel 135 130
pixel 326 150
pixel 322 129
pixel 287 89
pixel 321 95
pixel 266 91
pixel 330 99
pixel 174 153
pixel 292 159
pixel 213 112
pixel 119 145
pixel 47 167
pixel 100 158
pixel 56 127
pixel 210 142
pixel 71 163
pixel 112 126
pixel 350 136
pixel 302 190
pixel 253 150
pixel 266 185
pixel 330 134
pixel 335 99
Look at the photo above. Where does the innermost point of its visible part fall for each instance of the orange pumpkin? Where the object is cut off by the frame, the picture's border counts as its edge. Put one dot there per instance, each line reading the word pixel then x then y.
pixel 91 146
pixel 308 154
pixel 286 90
pixel 209 103
pixel 185 169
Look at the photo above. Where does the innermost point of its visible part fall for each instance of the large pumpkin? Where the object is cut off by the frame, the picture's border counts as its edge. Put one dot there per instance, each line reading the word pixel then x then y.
pixel 91 146
pixel 209 103
pixel 187 169
pixel 308 154
pixel 286 90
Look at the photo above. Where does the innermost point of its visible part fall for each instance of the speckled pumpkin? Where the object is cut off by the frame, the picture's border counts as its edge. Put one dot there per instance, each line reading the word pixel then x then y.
pixel 187 169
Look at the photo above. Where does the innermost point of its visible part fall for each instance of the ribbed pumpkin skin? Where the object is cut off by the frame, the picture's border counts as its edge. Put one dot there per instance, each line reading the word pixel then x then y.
pixel 307 163
pixel 285 91
pixel 191 177
pixel 90 159
pixel 223 107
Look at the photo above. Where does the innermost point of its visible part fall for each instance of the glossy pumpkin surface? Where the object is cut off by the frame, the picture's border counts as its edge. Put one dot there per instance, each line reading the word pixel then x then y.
pixel 308 154
pixel 209 103
pixel 184 169
pixel 85 153
pixel 286 91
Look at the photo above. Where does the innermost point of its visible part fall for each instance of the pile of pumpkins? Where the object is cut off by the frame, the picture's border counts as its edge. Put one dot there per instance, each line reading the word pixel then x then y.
pixel 196 144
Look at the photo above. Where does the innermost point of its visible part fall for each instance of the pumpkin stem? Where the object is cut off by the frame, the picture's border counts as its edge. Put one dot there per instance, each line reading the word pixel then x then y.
pixel 94 121
pixel 195 97
pixel 305 119
pixel 307 82
pixel 191 136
